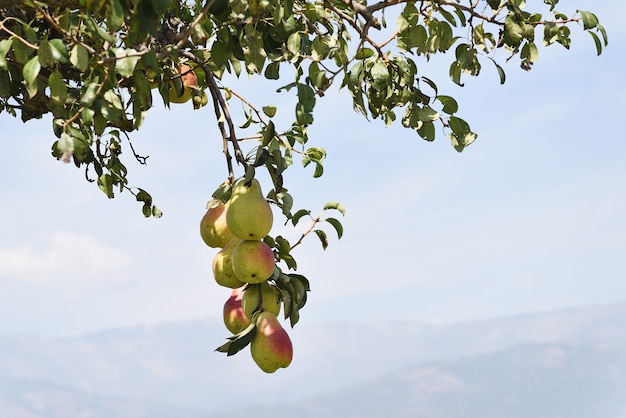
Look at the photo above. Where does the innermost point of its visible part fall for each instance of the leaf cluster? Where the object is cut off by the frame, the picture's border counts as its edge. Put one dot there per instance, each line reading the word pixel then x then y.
pixel 97 65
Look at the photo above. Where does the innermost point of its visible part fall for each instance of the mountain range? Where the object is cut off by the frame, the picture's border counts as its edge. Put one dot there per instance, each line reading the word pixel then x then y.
pixel 568 363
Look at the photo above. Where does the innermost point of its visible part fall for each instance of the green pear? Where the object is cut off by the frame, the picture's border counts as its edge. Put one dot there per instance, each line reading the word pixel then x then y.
pixel 223 267
pixel 234 317
pixel 213 228
pixel 253 261
pixel 270 300
pixel 249 215
pixel 271 347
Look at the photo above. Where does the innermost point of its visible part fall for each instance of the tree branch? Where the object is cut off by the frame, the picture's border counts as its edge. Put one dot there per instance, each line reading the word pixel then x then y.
pixel 222 113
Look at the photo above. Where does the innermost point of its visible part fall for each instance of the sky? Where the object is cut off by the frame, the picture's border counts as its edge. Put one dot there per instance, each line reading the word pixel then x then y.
pixel 528 218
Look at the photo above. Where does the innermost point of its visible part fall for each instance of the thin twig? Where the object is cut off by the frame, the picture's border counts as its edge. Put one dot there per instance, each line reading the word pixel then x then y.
pixel 305 233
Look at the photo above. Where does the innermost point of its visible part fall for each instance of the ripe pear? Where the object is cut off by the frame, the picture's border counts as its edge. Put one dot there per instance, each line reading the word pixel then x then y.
pixel 253 261
pixel 223 267
pixel 234 317
pixel 189 80
pixel 249 215
pixel 213 228
pixel 270 301
pixel 271 347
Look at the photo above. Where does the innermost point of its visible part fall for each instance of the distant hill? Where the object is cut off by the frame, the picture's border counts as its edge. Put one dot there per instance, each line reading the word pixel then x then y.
pixel 21 398
pixel 174 364
pixel 530 380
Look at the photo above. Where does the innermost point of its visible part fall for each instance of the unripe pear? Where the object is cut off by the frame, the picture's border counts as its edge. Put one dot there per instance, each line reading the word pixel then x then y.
pixel 213 228
pixel 223 267
pixel 271 347
pixel 270 301
pixel 253 261
pixel 249 215
pixel 234 317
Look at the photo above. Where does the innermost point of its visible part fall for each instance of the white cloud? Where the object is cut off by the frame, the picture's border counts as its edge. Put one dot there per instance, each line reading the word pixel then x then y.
pixel 71 258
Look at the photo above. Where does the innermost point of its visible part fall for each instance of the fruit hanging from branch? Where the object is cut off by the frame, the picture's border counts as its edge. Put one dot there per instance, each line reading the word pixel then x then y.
pixel 271 347
pixel 235 319
pixel 96 67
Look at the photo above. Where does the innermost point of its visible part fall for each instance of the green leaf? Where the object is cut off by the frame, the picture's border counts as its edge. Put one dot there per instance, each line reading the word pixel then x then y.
pixel 494 4
pixel 5 84
pixel 270 111
pixel 21 52
pixel 115 16
pixel 364 53
pixel 306 96
pixel 294 317
pixel 271 71
pixel 461 135
pixel 322 236
pixel 59 51
pixel 597 42
pixel 590 20
pixel 293 43
pixel 58 89
pixel 143 196
pixel 79 57
pixel 380 75
pixel 30 72
pixel 450 106
pixel 287 204
pixel 89 95
pixel 5 47
pixel 268 134
pixel 238 342
pixel 105 183
pixel 335 205
pixel 501 72
pixel 298 215
pixel 92 27
pixel 44 53
pixel 161 6
pixel 262 156
pixel 337 225
pixel 427 114
pixel 319 170
pixel 427 131
pixel 513 32
pixel 126 60
pixel 530 52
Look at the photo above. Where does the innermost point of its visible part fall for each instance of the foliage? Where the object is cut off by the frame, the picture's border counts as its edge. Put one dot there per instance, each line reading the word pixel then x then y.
pixel 96 66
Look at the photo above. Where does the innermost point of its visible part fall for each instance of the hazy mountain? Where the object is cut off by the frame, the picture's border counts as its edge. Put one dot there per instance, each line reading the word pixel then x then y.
pixel 21 398
pixel 175 364
pixel 530 380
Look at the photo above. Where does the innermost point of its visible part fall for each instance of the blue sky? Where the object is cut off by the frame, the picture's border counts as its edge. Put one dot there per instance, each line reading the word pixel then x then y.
pixel 529 217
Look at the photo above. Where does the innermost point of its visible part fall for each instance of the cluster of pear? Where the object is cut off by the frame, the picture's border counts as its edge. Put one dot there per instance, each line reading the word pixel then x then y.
pixel 244 264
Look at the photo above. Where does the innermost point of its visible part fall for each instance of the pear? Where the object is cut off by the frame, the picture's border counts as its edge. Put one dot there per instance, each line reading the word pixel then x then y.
pixel 271 347
pixel 213 228
pixel 253 261
pixel 270 301
pixel 189 80
pixel 249 215
pixel 223 267
pixel 234 317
